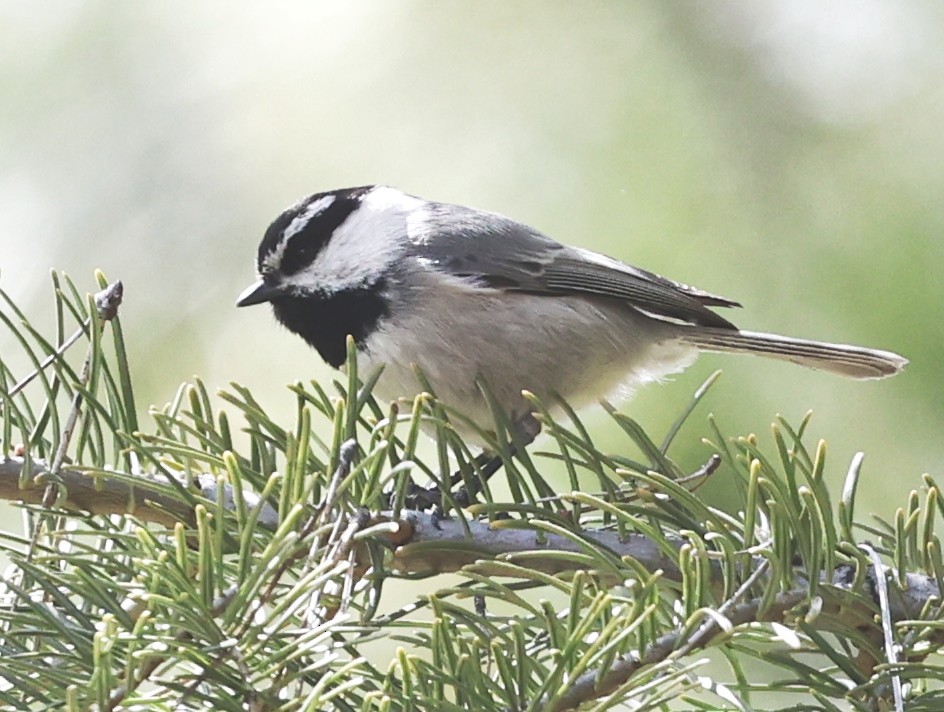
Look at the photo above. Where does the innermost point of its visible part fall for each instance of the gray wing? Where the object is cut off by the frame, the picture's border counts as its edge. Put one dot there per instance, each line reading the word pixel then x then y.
pixel 500 253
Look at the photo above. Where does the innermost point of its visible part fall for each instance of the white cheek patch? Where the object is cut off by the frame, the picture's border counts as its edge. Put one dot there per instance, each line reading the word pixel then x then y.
pixel 273 260
pixel 364 246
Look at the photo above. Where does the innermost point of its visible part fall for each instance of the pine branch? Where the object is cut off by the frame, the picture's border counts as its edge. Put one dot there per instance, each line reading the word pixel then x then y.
pixel 424 544
pixel 268 574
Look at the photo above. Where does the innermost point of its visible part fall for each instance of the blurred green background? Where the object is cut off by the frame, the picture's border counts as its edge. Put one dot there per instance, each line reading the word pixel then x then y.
pixel 787 154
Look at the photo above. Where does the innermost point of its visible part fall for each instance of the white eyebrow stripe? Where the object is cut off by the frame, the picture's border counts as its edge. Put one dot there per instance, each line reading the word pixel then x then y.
pixel 272 260
pixel 364 246
pixel 315 207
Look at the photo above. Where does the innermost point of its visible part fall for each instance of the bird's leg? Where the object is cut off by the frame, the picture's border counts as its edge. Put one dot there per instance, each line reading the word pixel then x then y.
pixel 527 429
pixel 431 497
pixel 486 464
pixel 420 498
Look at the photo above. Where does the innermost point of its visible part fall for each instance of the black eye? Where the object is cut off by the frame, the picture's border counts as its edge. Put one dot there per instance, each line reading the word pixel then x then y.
pixel 300 253
pixel 302 249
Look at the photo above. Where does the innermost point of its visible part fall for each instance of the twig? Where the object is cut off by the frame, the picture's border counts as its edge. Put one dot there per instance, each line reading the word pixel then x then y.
pixel 145 671
pixel 426 544
pixel 709 627
pixel 253 700
pixel 346 454
pixel 342 531
pixel 594 685
pixel 107 301
pixel 423 544
pixel 585 687
pixel 881 585
pixel 50 359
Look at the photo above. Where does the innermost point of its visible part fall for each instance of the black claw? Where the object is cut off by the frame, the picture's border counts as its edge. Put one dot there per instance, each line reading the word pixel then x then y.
pixel 462 498
pixel 422 498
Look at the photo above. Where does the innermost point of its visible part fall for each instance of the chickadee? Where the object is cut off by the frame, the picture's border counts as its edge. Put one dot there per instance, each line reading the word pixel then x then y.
pixel 464 293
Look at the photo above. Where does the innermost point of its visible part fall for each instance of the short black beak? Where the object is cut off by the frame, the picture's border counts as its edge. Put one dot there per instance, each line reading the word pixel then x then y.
pixel 257 294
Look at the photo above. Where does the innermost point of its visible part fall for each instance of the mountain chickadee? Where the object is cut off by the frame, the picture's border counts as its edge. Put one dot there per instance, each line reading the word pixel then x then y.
pixel 463 293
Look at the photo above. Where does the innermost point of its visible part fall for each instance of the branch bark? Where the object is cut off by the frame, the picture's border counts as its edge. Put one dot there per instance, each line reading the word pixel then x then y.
pixel 94 494
pixel 422 543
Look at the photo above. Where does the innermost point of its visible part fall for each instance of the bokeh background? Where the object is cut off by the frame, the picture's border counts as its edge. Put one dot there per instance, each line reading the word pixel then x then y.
pixel 787 154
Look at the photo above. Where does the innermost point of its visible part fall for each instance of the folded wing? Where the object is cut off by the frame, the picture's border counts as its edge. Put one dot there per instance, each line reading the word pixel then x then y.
pixel 496 252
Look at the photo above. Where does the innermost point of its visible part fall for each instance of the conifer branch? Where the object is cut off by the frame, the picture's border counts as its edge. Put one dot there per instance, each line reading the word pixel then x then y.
pixel 423 543
pixel 266 578
pixel 596 684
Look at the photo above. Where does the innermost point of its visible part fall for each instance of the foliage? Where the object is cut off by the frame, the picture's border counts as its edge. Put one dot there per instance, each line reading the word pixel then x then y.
pixel 286 604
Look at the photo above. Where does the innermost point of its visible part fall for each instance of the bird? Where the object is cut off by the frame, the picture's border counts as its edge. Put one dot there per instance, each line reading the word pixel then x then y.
pixel 466 296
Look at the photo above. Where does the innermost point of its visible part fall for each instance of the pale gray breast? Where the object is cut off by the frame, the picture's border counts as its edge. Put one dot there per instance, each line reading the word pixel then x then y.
pixel 581 347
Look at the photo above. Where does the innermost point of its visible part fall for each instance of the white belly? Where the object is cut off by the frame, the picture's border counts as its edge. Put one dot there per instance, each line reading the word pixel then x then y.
pixel 521 342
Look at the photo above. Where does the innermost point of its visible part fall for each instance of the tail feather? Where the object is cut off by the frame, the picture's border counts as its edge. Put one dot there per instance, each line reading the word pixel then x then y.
pixel 852 361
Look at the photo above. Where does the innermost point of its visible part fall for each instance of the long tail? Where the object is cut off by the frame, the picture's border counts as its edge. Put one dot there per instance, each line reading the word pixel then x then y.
pixel 852 361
